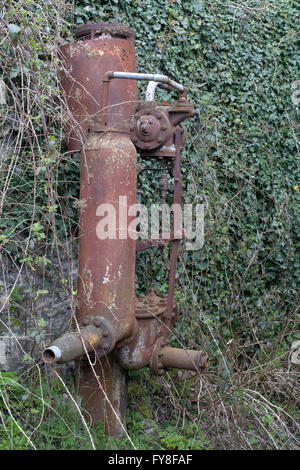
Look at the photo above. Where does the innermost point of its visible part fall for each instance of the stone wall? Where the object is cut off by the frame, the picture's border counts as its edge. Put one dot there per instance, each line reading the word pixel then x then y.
pixel 35 308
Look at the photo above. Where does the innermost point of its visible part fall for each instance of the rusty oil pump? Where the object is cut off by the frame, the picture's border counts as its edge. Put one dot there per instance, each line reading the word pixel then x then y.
pixel 115 331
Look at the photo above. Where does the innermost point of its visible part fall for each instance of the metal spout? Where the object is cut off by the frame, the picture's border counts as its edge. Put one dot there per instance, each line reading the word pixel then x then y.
pixel 73 345
pixel 184 359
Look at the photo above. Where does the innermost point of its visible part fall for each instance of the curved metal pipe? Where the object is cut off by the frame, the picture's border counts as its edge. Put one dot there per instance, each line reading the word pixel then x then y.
pixel 156 77
pixel 150 92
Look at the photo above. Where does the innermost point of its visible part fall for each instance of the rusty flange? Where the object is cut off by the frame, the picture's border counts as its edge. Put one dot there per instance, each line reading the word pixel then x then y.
pixel 93 30
pixel 156 365
pixel 106 333
pixel 164 356
pixel 150 128
pixel 95 335
pixel 149 306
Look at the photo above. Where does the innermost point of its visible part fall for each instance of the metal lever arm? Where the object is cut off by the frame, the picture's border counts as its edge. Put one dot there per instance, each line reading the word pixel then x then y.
pixel 108 76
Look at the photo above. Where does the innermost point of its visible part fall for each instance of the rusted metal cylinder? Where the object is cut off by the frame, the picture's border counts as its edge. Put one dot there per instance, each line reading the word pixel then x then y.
pixel 184 358
pixel 106 280
pixel 103 389
pixel 100 47
pixel 70 346
pixel 106 284
pixel 108 168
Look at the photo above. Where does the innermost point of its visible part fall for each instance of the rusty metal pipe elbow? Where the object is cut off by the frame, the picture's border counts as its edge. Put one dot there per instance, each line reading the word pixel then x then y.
pixel 104 94
pixel 107 76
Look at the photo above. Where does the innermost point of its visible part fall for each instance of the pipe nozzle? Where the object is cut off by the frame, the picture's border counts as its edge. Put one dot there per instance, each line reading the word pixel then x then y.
pixel 72 345
pixel 51 354
pixel 184 359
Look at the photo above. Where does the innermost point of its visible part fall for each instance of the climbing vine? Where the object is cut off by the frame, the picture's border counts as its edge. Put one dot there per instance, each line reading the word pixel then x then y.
pixel 239 294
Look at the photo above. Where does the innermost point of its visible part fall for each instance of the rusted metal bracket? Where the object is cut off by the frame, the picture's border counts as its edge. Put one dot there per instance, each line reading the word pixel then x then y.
pixel 146 244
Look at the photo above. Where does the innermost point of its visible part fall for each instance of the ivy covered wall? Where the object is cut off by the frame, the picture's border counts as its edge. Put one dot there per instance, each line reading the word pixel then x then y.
pixel 239 294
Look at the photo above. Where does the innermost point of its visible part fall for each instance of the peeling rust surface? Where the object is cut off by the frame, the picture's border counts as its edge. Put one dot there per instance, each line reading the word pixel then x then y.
pixel 109 380
pixel 85 63
pixel 121 332
pixel 150 313
pixel 107 266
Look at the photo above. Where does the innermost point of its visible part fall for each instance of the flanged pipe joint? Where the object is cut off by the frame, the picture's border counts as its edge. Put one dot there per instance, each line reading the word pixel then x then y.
pixel 95 335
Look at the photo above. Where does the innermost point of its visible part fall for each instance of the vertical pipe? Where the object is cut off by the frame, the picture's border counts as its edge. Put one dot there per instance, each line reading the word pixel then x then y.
pixel 106 280
pixel 106 284
pixel 100 47
pixel 103 389
pixel 175 244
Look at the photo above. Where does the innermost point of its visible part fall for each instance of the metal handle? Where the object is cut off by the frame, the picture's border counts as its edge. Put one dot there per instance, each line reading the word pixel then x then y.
pixel 156 78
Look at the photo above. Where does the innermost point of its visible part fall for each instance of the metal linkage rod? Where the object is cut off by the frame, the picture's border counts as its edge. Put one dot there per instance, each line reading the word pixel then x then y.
pixel 156 77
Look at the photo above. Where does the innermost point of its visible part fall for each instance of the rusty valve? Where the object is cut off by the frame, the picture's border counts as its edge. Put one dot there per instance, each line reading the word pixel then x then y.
pixel 109 125
pixel 150 128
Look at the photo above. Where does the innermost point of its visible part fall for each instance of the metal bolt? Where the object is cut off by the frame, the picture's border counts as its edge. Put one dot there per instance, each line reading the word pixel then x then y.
pixel 145 128
pixel 163 128
pixel 97 322
pixel 159 139
pixel 86 321
pixel 105 333
pixel 159 116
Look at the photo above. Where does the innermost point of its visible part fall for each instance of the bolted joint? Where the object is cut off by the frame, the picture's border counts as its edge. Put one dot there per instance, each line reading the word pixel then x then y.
pixel 96 336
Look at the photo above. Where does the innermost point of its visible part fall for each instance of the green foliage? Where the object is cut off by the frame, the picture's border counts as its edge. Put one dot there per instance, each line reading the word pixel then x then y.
pixel 39 414
pixel 238 296
pixel 190 438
